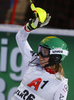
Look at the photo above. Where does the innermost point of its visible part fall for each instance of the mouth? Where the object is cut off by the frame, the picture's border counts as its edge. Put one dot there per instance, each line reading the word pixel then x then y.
pixel 41 59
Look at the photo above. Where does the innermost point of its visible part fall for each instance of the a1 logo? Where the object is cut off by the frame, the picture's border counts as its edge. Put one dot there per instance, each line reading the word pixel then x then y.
pixel 36 83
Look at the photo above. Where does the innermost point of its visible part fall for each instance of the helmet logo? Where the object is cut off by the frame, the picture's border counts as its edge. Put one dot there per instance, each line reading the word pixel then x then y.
pixel 57 51
pixel 47 39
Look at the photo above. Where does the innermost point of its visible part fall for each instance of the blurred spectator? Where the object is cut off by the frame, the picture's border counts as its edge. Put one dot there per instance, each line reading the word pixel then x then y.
pixel 20 12
pixel 62 12
pixel 4 6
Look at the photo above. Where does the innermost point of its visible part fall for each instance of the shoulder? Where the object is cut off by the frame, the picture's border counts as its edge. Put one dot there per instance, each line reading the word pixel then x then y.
pixel 62 89
pixel 63 82
pixel 60 77
pixel 59 80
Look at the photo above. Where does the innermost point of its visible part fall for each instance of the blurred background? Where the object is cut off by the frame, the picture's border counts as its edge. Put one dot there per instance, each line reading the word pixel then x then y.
pixel 62 12
pixel 13 15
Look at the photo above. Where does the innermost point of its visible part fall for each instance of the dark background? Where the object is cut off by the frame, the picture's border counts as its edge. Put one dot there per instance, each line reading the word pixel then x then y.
pixel 62 12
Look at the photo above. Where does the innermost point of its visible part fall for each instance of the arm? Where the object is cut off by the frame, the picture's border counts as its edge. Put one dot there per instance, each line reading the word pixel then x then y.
pixel 22 36
pixel 25 49
pixel 62 91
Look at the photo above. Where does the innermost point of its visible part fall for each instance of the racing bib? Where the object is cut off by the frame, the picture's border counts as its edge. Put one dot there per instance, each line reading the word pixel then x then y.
pixel 25 94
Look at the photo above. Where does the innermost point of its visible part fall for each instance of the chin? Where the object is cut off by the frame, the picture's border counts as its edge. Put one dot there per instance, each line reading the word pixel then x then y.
pixel 42 65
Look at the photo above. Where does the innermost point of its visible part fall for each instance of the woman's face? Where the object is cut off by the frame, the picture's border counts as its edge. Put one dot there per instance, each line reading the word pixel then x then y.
pixel 43 60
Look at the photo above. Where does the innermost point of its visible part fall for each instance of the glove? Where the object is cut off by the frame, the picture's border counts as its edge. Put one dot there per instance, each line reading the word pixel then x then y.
pixel 46 20
pixel 34 23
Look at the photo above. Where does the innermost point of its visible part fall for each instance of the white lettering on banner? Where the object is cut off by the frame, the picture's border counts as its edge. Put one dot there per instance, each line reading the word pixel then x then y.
pixel 2 88
pixel 14 67
pixel 13 61
pixel 4 55
pixel 13 55
pixel 11 92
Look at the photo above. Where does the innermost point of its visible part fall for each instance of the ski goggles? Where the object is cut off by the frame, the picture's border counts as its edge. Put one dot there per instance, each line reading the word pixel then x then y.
pixel 45 52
